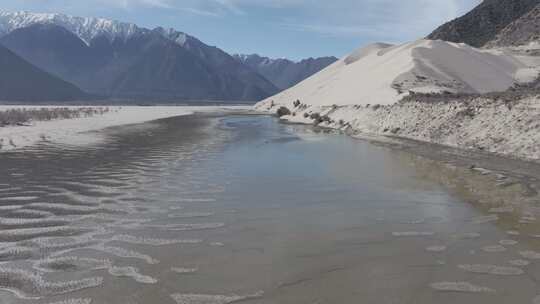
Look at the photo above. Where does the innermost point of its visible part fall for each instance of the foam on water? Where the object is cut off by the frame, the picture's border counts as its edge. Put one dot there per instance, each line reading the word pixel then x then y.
pixel 192 215
pixel 61 209
pixel 494 248
pixel 485 219
pixel 512 232
pixel 31 233
pixel 197 200
pixel 508 209
pixel 131 272
pixel 29 213
pixel 460 287
pixel 19 198
pixel 508 242
pixel 125 253
pixel 519 262
pixel 10 207
pixel 152 241
pixel 52 244
pixel 12 253
pixel 74 301
pixel 182 270
pixel 213 299
pixel 412 233
pixel 436 248
pixel 189 227
pixel 30 222
pixel 32 284
pixel 529 254
pixel 491 269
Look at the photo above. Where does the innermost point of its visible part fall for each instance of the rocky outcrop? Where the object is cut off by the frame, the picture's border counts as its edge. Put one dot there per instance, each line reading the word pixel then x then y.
pixel 485 22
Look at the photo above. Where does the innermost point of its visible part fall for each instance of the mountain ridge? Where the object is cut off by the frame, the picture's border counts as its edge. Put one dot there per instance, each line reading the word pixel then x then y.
pixel 282 72
pixel 109 52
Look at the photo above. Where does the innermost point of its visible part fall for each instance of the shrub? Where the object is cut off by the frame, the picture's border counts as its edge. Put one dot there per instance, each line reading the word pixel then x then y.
pixel 315 116
pixel 283 111
pixel 22 116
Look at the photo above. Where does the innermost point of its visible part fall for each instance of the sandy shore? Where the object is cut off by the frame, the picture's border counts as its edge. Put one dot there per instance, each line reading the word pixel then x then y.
pixel 68 131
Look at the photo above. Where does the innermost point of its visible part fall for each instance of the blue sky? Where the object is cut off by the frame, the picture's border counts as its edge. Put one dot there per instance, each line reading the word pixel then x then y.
pixel 277 28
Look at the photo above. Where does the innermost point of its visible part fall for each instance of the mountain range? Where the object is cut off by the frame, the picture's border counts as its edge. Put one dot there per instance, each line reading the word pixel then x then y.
pixel 285 73
pixel 122 60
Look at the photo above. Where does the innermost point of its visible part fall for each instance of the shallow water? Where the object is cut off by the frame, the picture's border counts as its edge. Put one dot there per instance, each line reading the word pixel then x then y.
pixel 208 210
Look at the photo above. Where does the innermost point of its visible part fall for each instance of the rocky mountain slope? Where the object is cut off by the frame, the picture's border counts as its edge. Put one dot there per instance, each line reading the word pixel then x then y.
pixel 485 22
pixel 521 32
pixel 21 81
pixel 122 60
pixel 284 73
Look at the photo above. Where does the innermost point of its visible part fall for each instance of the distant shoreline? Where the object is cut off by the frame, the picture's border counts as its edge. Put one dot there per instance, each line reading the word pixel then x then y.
pixel 76 130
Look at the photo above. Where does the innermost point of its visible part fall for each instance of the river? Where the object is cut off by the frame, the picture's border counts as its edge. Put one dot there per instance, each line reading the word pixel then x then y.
pixel 213 209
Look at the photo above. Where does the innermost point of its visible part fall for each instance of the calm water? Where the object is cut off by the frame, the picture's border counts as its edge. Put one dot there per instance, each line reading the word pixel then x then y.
pixel 215 210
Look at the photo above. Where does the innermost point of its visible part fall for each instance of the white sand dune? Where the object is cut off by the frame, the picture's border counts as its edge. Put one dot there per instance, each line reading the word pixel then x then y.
pixel 73 131
pixel 383 74
pixel 344 96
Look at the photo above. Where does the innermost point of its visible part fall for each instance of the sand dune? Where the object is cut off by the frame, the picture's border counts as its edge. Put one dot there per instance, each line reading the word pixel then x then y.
pixel 383 74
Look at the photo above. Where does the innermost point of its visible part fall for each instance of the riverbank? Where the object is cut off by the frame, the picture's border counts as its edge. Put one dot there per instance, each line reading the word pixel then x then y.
pixel 68 131
pixel 492 142
pixel 498 126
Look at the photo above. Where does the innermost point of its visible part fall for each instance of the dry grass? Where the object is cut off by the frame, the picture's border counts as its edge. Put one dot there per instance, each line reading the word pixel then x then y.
pixel 24 116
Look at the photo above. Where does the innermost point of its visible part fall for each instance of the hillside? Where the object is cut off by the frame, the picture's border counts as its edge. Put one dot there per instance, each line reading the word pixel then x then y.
pixel 522 31
pixel 21 81
pixel 484 22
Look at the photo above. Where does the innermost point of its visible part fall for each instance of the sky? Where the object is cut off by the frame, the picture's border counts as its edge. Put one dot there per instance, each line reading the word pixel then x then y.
pixel 293 29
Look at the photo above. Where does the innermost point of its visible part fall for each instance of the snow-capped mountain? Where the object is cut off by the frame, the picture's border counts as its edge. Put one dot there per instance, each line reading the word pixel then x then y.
pixel 86 28
pixel 124 60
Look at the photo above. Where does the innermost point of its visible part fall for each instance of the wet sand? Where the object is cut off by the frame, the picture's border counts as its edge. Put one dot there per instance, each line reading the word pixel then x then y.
pixel 227 209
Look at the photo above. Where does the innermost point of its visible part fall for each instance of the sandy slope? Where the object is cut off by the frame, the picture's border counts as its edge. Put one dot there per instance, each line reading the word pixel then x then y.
pixel 383 74
pixel 360 94
pixel 72 131
pixel 510 129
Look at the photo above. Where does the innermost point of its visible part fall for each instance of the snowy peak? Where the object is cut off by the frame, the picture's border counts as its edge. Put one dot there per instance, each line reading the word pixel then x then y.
pixel 86 29
pixel 173 35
